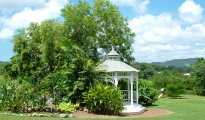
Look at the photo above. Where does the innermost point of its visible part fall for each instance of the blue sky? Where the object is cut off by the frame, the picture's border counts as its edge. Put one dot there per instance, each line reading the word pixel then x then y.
pixel 165 29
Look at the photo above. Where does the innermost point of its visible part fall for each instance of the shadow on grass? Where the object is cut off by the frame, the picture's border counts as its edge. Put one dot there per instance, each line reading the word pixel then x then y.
pixel 178 97
pixel 153 105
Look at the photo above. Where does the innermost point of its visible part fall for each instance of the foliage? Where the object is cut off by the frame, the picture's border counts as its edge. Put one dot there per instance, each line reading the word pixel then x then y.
pixel 149 71
pixel 67 107
pixel 51 60
pixel 7 95
pixel 189 83
pixel 15 97
pixel 147 93
pixel 2 67
pixel 104 99
pixel 198 71
pixel 56 86
pixel 147 74
pixel 164 75
pixel 161 80
pixel 175 90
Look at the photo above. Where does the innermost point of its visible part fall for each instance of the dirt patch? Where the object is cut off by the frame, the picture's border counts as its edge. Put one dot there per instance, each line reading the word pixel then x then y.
pixel 149 112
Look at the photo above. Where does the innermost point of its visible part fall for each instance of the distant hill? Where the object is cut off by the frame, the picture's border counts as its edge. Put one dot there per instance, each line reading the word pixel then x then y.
pixel 184 64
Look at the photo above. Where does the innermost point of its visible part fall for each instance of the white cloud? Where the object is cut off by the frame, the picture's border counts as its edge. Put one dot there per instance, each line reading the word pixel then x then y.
pixel 9 24
pixel 162 37
pixel 153 29
pixel 200 44
pixel 195 31
pixel 139 5
pixel 5 33
pixel 190 12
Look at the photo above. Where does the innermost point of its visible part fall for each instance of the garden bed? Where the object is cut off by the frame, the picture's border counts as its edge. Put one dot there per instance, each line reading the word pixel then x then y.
pixel 149 112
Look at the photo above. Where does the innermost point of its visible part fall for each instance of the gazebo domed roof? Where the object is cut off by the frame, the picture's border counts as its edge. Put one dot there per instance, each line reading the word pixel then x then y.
pixel 116 66
pixel 113 64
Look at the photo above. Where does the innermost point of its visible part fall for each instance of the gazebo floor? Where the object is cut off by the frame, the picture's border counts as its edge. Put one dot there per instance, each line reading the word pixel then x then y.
pixel 132 109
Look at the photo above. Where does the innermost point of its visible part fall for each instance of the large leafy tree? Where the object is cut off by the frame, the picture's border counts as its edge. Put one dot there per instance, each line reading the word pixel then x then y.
pixel 98 27
pixel 51 61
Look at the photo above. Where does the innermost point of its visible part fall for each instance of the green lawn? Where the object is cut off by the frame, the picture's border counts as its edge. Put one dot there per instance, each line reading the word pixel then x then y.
pixel 189 108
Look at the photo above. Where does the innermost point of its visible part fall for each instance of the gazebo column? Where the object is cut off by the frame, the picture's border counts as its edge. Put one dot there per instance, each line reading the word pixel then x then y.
pixel 137 94
pixel 131 90
pixel 128 89
pixel 116 79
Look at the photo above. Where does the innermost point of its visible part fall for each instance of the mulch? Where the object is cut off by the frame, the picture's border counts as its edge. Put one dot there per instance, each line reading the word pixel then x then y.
pixel 149 112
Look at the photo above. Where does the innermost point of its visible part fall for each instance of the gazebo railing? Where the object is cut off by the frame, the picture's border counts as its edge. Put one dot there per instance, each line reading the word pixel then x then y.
pixel 126 94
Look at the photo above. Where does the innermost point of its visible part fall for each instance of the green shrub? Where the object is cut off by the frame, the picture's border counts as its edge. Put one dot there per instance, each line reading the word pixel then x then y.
pixel 147 93
pixel 198 70
pixel 161 80
pixel 15 96
pixel 199 91
pixel 7 93
pixel 67 107
pixel 104 99
pixel 175 90
pixel 20 96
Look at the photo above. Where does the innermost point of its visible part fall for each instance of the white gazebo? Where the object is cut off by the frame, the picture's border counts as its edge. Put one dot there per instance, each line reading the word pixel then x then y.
pixel 117 70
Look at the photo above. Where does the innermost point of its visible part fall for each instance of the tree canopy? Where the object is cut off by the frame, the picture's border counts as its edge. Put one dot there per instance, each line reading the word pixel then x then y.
pixel 96 28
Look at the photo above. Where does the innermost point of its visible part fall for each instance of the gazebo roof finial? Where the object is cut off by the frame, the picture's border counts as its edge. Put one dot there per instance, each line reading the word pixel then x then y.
pixel 113 55
pixel 113 52
pixel 113 49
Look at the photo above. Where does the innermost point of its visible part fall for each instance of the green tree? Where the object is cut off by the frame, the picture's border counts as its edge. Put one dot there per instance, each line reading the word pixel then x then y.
pixel 44 57
pixel 175 90
pixel 198 70
pixel 2 67
pixel 147 74
pixel 98 27
pixel 26 59
pixel 161 80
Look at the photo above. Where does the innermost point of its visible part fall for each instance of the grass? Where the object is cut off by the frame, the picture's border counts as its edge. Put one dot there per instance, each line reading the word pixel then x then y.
pixel 189 107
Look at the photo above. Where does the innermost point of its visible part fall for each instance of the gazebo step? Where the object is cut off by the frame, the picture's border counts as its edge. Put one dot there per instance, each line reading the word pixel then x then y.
pixel 133 109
